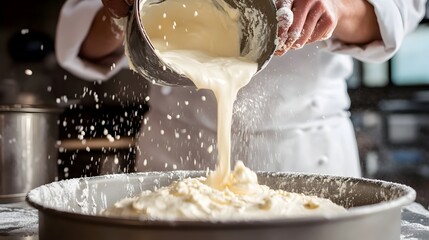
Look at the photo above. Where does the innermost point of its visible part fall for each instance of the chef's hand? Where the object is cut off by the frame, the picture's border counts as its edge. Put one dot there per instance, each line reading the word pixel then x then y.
pixel 104 41
pixel 307 21
pixel 312 20
pixel 118 8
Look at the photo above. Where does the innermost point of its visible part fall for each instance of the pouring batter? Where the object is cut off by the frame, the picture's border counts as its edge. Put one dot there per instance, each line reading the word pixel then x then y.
pixel 211 59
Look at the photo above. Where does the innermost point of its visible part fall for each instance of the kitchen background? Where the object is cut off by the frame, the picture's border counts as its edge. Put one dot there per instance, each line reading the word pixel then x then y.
pixel 390 102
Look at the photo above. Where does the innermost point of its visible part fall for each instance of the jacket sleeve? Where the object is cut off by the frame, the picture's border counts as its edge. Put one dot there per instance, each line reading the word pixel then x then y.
pixel 73 25
pixel 396 18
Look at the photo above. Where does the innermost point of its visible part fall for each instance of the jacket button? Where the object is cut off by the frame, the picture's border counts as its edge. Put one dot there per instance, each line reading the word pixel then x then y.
pixel 322 160
pixel 314 103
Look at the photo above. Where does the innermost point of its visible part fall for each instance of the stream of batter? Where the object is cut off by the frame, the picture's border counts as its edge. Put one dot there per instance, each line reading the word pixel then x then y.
pixel 201 39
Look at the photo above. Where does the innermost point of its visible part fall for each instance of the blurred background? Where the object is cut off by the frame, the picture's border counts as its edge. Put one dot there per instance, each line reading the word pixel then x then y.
pixel 96 124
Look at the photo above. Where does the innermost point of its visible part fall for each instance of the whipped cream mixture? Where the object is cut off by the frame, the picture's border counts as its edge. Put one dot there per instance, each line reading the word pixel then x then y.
pixel 192 198
pixel 201 39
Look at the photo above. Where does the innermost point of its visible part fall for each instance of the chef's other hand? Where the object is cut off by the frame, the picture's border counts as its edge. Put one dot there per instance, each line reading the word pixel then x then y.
pixel 284 20
pixel 103 44
pixel 118 8
pixel 307 22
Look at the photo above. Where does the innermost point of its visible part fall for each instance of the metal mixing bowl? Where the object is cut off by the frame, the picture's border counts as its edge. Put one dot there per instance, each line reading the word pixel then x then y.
pixel 68 210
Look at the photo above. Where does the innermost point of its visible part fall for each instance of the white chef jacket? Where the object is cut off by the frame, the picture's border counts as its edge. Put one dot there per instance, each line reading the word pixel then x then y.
pixel 292 116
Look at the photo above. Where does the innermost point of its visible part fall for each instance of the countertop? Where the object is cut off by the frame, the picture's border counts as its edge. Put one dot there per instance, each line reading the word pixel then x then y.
pixel 20 222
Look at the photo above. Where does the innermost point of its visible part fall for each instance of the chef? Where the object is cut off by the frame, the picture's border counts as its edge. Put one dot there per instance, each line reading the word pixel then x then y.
pixel 292 116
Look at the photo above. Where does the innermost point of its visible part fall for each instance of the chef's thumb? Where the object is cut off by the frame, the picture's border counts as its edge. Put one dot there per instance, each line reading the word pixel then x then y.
pixel 118 8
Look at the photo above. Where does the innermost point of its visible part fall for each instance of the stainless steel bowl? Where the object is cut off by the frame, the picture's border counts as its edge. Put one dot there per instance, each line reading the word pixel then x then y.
pixel 146 62
pixel 28 156
pixel 68 210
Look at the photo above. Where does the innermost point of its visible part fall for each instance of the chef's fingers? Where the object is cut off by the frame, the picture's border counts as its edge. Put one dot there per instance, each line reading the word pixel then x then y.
pixel 310 23
pixel 300 11
pixel 283 3
pixel 284 21
pixel 324 29
pixel 117 8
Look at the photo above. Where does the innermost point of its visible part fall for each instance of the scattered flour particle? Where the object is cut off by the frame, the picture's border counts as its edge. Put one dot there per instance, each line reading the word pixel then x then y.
pixel 110 138
pixel 28 72
pixel 210 149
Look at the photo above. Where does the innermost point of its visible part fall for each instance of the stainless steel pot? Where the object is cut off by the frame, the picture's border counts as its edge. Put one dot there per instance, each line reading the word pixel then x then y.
pixel 68 210
pixel 146 62
pixel 27 150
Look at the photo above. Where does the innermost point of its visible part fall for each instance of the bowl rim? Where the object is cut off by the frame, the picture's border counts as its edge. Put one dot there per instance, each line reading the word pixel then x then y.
pixel 409 195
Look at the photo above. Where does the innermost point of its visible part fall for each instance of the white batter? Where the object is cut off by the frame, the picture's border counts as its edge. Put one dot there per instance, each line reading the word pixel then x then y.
pixel 193 199
pixel 202 41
